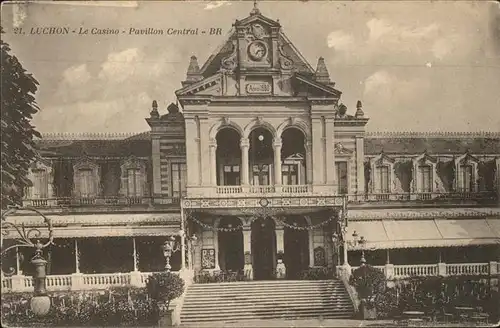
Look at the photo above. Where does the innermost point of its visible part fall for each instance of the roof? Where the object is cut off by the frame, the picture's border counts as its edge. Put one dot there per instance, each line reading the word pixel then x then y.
pixel 139 146
pixel 417 144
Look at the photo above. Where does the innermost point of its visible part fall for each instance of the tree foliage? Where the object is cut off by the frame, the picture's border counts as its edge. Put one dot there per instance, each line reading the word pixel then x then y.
pixel 18 108
pixel 164 287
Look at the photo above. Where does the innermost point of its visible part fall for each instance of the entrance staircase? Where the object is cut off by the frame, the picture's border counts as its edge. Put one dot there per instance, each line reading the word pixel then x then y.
pixel 265 300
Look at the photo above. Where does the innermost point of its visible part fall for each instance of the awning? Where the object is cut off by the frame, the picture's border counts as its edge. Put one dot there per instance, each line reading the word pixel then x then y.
pixel 387 234
pixel 93 232
pixel 421 213
pixel 98 219
pixel 98 225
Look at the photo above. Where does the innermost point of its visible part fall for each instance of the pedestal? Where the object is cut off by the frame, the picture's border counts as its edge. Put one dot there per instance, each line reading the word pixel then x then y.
pixel 135 279
pixel 442 269
pixel 77 282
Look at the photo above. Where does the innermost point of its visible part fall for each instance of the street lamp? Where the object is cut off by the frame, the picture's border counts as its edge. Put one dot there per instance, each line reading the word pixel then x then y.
pixel 169 246
pixel 40 302
pixel 358 241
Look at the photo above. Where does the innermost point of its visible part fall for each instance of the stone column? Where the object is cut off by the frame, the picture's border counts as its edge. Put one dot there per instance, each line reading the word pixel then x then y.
pixel 360 166
pixel 244 145
pixel 247 250
pixel 277 161
pixel 77 282
pixel 135 276
pixel 309 159
pixel 280 250
pixel 213 162
pixel 156 163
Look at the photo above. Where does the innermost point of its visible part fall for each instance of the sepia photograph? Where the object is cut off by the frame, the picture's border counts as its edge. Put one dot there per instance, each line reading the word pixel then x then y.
pixel 250 163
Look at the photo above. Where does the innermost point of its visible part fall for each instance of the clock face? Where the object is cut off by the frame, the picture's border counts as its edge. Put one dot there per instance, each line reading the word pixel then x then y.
pixel 257 50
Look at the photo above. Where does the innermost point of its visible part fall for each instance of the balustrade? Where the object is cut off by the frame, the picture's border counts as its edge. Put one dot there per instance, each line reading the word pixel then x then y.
pixel 457 269
pixel 423 196
pixel 100 201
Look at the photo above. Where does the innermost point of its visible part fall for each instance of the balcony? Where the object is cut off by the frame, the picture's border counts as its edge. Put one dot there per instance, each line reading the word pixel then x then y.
pixel 424 197
pixel 101 202
pixel 241 191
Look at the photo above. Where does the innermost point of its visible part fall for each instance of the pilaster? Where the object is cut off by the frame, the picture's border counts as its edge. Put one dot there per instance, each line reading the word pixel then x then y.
pixel 192 153
pixel 280 250
pixel 277 161
pixel 317 151
pixel 247 251
pixel 360 168
pixel 213 162
pixel 309 160
pixel 244 145
pixel 329 151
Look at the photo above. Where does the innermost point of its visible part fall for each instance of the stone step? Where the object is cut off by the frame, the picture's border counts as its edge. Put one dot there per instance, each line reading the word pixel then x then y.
pixel 290 292
pixel 242 316
pixel 242 299
pixel 261 283
pixel 240 303
pixel 266 287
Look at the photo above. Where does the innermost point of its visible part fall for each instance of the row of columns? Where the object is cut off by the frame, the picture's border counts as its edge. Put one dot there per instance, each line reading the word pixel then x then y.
pixel 245 172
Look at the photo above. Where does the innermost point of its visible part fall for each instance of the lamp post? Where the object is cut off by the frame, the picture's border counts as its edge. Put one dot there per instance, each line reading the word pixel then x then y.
pixel 169 246
pixel 40 302
pixel 358 241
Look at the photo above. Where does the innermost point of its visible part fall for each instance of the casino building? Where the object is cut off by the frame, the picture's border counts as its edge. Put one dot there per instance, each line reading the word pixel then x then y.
pixel 262 173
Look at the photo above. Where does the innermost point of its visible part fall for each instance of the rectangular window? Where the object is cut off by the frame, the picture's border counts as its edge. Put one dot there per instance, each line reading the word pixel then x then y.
pixel 260 174
pixel 289 174
pixel 134 183
pixel 341 170
pixel 384 179
pixel 467 178
pixel 231 175
pixel 40 184
pixel 425 178
pixel 179 171
pixel 86 183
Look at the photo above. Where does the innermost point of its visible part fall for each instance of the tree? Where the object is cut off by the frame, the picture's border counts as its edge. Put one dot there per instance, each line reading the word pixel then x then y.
pixel 18 107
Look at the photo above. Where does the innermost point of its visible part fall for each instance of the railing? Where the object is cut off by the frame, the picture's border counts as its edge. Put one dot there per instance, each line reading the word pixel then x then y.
pixel 104 280
pixel 262 189
pixel 467 269
pixel 77 281
pixel 229 189
pixel 100 201
pixel 421 270
pixel 285 189
pixel 440 269
pixel 423 196
pixel 59 282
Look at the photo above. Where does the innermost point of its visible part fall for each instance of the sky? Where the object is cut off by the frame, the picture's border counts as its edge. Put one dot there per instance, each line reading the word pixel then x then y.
pixel 417 66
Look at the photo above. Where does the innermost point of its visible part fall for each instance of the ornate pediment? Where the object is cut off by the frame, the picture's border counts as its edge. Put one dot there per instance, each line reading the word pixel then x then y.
pixel 85 162
pixel 425 159
pixel 383 159
pixel 175 149
pixel 466 158
pixel 210 86
pixel 341 150
pixel 313 88
pixel 132 162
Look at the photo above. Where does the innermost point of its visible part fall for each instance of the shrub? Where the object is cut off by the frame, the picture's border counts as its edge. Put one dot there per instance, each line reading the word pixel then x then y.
pixel 164 287
pixel 125 306
pixel 369 282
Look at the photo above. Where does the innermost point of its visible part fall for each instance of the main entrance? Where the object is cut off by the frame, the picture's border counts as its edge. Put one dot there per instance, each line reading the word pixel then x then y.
pixel 296 245
pixel 264 248
pixel 231 256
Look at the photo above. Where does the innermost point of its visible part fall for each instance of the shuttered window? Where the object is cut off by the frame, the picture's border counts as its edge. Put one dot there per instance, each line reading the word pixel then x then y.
pixel 179 178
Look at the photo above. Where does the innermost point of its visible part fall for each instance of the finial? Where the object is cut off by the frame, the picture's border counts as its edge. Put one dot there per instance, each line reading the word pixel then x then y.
pixel 342 110
pixel 359 109
pixel 154 110
pixel 255 10
pixel 321 74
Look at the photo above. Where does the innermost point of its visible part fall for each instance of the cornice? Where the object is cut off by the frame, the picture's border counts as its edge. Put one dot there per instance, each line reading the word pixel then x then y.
pixel 437 134
pixel 86 136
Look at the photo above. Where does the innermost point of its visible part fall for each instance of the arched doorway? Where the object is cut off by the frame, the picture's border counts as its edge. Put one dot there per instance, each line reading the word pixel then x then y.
pixel 293 157
pixel 296 244
pixel 228 157
pixel 264 248
pixel 261 157
pixel 230 245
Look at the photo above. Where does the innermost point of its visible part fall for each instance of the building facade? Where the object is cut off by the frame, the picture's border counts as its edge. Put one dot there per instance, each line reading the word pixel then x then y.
pixel 262 162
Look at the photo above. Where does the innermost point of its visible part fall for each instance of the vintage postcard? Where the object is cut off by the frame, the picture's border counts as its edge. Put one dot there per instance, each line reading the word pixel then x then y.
pixel 250 163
